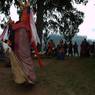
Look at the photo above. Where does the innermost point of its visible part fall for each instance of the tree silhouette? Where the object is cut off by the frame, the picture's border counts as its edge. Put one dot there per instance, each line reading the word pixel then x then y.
pixel 62 17
pixel 66 20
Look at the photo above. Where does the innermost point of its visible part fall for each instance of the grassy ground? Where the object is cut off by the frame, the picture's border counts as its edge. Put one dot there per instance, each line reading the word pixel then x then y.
pixel 73 76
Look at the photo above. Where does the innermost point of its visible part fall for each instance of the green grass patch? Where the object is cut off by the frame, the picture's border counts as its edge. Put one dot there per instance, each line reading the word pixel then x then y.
pixel 73 76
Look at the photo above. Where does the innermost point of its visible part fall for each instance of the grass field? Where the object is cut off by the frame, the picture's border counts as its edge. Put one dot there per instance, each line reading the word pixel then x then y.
pixel 73 76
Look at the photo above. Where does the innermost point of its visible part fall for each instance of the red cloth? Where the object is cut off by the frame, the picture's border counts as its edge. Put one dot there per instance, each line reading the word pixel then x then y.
pixel 25 23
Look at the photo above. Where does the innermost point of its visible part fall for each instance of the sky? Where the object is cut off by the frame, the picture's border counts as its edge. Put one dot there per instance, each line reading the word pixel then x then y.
pixel 87 28
pixel 13 13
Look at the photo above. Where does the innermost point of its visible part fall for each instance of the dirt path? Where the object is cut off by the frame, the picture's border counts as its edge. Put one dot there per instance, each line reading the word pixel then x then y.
pixel 8 87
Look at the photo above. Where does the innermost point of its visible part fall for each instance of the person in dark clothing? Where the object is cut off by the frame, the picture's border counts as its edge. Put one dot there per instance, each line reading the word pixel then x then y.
pixel 92 49
pixel 60 50
pixel 84 52
pixel 65 48
pixel 70 49
pixel 75 48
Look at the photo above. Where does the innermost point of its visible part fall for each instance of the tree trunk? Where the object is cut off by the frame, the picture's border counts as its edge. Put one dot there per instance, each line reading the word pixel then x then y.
pixel 40 11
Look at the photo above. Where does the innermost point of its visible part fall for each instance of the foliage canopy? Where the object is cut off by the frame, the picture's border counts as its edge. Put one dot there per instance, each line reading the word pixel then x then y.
pixel 57 15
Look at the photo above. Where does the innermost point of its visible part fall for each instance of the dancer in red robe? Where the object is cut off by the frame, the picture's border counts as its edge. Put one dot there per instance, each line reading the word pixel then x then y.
pixel 21 61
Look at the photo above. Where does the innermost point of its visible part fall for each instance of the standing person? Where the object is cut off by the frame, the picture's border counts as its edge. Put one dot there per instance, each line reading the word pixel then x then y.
pixel 60 50
pixel 51 48
pixel 92 49
pixel 65 48
pixel 85 48
pixel 21 61
pixel 75 47
pixel 70 49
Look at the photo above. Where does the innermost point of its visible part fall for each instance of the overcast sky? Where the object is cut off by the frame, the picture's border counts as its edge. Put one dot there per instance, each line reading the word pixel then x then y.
pixel 87 28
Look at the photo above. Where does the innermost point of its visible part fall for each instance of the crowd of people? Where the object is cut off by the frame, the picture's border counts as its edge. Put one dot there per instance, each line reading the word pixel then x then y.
pixel 62 49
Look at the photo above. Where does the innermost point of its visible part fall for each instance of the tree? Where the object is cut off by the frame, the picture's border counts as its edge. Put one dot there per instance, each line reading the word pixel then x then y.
pixel 5 6
pixel 67 19
pixel 40 10
pixel 67 24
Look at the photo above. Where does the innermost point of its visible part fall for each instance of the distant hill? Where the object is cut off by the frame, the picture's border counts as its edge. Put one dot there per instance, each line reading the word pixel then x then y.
pixel 56 38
